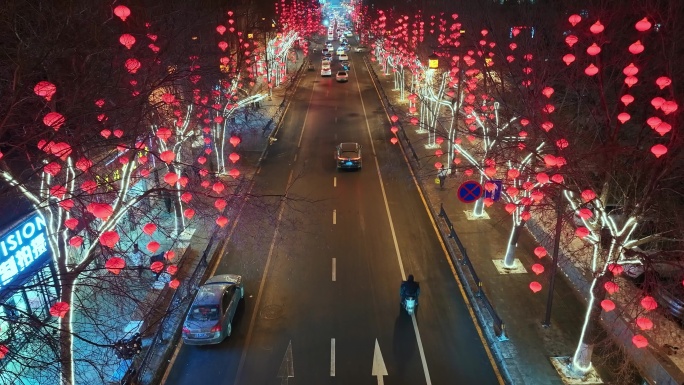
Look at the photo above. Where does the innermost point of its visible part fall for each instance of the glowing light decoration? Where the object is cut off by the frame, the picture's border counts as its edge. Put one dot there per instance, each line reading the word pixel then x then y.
pixel 535 286
pixel 537 268
pixel 540 252
pixel 115 264
pixel 122 12
pixel 109 238
pixel 100 210
pixel 174 283
pixel 611 287
pixel 167 156
pixel 582 232
pixel 643 25
pixel 171 178
pixel 649 303
pixel 55 120
pixel 640 341
pixel 623 117
pixel 149 229
pixel 608 305
pixel 132 65
pixel 574 19
pixel 596 28
pixel 222 221
pixel 59 309
pixel 591 70
pixel 568 59
pixel 588 195
pixel 626 99
pixel 644 323
pixel 593 50
pixel 636 47
pixel 45 89
pixel 189 213
pixel 127 40
pixel 659 150
pixel 662 82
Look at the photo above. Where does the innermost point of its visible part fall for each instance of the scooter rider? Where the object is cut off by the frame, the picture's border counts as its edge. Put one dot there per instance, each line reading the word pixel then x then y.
pixel 409 288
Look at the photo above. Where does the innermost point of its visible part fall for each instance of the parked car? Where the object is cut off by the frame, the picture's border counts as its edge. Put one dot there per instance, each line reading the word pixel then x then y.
pixel 210 318
pixel 360 48
pixel 348 156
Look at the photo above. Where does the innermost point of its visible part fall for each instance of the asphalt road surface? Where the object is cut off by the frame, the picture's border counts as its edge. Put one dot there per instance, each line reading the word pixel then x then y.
pixel 323 253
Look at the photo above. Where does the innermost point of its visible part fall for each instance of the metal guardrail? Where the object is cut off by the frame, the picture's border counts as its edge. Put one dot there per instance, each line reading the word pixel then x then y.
pixel 499 325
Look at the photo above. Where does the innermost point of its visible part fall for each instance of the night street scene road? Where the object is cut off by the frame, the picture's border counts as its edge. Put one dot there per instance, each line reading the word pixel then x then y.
pixel 307 192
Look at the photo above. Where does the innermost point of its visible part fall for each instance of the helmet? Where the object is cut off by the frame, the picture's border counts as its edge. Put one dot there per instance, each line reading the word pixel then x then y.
pixel 410 278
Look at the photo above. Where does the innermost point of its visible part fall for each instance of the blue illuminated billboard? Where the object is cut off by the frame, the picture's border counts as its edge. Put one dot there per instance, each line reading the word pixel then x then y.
pixel 23 250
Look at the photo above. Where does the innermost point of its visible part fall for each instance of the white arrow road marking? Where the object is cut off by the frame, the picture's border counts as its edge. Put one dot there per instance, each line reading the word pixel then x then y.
pixel 334 269
pixel 332 356
pixel 379 368
pixel 287 366
pixel 334 217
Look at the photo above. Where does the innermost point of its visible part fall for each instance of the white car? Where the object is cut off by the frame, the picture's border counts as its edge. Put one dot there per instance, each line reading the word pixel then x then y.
pixel 360 48
pixel 342 76
pixel 343 56
pixel 348 34
pixel 326 71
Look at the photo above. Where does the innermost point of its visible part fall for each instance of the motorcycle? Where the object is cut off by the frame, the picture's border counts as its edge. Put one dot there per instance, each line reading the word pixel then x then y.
pixel 410 304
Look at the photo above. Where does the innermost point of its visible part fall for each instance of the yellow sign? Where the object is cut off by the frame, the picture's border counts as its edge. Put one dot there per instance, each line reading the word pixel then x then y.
pixel 250 36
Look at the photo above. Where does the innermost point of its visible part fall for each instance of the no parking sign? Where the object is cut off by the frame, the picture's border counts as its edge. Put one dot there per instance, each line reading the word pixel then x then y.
pixel 469 191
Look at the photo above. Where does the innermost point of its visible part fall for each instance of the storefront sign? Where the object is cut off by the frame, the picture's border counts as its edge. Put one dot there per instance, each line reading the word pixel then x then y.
pixel 23 249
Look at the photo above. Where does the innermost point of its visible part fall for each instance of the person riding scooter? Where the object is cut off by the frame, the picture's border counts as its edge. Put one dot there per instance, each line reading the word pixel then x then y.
pixel 409 288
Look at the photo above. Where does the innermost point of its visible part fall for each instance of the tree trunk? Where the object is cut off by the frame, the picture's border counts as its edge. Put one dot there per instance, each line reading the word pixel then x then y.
pixel 512 244
pixel 65 334
pixel 581 362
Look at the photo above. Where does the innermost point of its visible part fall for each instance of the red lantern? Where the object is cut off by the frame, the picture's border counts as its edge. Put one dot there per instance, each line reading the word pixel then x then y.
pixel 568 59
pixel 220 204
pixel 167 156
pixel 189 213
pixel 510 208
pixel 591 70
pixel 513 173
pixel 657 102
pixel 488 202
pixel 171 178
pixel 394 118
pixel 596 28
pixel 535 286
pixel 490 171
pixel 557 178
pixel 132 65
pixel 593 50
pixel 574 19
pixel 76 241
pixel 642 25
pixel 59 309
pixel 588 195
pixel 649 303
pixel 172 269
pixel 174 283
pixel 630 70
pixel 468 172
pixel 608 305
pixel 234 173
pixel 234 141
pixel 149 228
pixel 223 45
pixel 663 128
pixel 168 98
pixel 540 251
pixel 611 287
pixel 45 89
pixel 626 99
pixel 169 255
pixel 71 223
pixel 55 120
pixel 394 129
pixel 623 117
pixel 571 40
pixel 127 40
pixel 3 351
pixel 186 197
pixel 201 160
pixel 109 238
pixel 218 187
pixel 220 29
pixel 644 323
pixel 547 91
pixel 157 266
pixel 122 12
pixel 414 121
pixel 615 269
pixel 115 265
pixel 636 47
pixel 669 107
pixel 100 210
pixel 234 157
pixel 153 246
pixel 582 232
pixel 585 213
pixel 394 140
pixel 662 82
pixel 542 178
pixel 659 150
pixel 221 221
pixel 537 268
pixel 640 341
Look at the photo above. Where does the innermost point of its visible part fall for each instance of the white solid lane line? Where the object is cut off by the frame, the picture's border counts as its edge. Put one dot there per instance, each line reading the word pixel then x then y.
pixel 332 357
pixel 334 181
pixel 334 269
pixel 334 217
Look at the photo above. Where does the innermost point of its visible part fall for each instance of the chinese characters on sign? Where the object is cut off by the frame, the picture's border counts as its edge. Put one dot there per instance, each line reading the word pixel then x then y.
pixel 21 248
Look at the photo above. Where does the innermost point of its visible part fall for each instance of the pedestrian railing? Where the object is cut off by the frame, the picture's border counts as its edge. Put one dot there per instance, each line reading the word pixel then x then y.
pixel 499 325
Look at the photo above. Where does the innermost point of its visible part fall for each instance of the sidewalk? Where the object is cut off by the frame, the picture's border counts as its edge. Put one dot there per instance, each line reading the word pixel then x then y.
pixel 525 357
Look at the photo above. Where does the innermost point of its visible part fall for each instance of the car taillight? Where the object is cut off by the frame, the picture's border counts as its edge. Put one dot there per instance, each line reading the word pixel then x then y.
pixel 186 330
pixel 216 328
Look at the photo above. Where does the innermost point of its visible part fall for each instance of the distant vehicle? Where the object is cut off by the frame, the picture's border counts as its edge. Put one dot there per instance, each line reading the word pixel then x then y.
pixel 360 48
pixel 348 34
pixel 345 65
pixel 210 318
pixel 324 51
pixel 342 76
pixel 340 51
pixel 348 155
pixel 343 56
pixel 311 67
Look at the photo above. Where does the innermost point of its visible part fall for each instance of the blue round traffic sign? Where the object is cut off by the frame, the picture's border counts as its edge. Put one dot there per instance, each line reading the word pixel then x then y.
pixel 469 191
